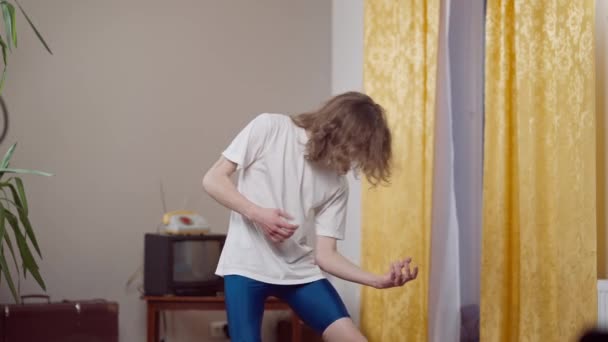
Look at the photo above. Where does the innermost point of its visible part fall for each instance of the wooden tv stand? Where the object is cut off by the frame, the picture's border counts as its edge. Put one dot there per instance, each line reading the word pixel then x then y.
pixel 155 305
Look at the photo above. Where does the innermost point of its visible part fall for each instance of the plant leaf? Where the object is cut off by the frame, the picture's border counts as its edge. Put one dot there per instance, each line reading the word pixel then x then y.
pixel 4 51
pixel 7 275
pixel 2 226
pixel 4 58
pixel 8 26
pixel 9 202
pixel 2 79
pixel 21 192
pixel 7 157
pixel 24 250
pixel 8 12
pixel 11 249
pixel 3 265
pixel 6 236
pixel 7 239
pixel 23 216
pixel 4 193
pixel 25 171
pixel 28 230
pixel 29 263
pixel 34 28
pixel 11 10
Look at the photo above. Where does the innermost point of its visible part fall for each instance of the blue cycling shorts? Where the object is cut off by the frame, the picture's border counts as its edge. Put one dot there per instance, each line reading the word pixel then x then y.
pixel 317 304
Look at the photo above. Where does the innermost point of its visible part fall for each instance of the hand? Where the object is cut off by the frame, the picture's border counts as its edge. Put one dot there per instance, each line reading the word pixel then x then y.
pixel 273 223
pixel 398 275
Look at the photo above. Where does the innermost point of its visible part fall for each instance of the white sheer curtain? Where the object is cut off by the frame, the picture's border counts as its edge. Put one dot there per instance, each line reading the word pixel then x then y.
pixel 457 184
pixel 444 290
pixel 467 61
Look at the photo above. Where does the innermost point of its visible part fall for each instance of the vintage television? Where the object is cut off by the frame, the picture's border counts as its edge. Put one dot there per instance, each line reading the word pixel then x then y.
pixel 182 265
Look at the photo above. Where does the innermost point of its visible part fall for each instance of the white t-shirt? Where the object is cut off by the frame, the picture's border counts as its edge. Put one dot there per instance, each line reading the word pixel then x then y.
pixel 273 173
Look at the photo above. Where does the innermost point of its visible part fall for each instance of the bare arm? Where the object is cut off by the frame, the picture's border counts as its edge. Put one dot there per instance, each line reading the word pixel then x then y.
pixel 332 262
pixel 219 186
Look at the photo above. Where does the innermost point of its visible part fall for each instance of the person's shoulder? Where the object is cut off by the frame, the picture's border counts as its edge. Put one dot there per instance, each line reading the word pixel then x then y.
pixel 274 118
pixel 273 122
pixel 271 119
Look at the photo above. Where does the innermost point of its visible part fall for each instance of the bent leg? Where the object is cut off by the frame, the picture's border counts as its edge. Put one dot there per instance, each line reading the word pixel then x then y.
pixel 319 305
pixel 343 330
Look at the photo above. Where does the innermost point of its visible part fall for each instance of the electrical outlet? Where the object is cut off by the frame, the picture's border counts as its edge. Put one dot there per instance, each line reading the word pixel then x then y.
pixel 217 329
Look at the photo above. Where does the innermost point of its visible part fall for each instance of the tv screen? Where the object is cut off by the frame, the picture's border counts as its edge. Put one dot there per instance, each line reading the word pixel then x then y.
pixel 195 260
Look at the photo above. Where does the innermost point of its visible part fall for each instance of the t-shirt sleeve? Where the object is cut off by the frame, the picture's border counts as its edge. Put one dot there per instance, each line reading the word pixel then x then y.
pixel 330 219
pixel 249 144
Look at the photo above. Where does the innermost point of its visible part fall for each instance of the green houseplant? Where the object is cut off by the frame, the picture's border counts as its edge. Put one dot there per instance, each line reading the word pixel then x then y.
pixel 14 219
pixel 14 212
pixel 10 29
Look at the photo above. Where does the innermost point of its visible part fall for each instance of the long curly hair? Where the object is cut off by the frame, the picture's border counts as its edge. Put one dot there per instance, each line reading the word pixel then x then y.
pixel 349 132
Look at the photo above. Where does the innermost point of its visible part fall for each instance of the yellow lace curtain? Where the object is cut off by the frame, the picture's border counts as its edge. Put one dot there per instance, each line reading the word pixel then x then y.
pixel 538 274
pixel 400 62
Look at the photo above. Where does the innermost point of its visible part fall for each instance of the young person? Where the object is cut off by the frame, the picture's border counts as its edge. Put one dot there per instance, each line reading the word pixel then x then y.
pixel 289 209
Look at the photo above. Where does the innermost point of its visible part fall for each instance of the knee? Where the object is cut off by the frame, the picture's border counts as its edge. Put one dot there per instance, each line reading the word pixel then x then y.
pixel 351 336
pixel 343 330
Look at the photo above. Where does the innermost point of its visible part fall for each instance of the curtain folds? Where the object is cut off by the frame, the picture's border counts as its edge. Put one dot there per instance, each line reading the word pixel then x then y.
pixel 538 273
pixel 400 67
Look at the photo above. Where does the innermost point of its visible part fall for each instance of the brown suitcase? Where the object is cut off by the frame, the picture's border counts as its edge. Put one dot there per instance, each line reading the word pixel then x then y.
pixel 67 321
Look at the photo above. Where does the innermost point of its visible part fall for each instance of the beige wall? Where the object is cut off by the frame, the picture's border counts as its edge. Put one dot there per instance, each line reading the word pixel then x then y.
pixel 138 91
